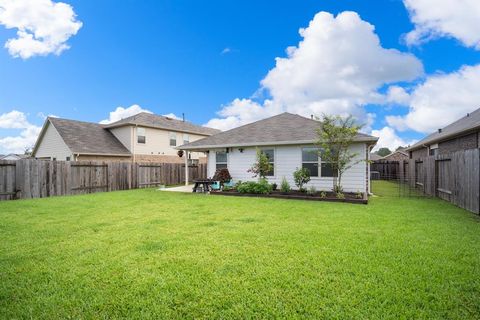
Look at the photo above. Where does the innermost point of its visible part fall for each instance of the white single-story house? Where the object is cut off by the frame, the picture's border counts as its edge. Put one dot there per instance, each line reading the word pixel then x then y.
pixel 289 140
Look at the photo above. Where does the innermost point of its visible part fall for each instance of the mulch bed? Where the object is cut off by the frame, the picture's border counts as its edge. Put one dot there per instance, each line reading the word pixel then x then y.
pixel 296 195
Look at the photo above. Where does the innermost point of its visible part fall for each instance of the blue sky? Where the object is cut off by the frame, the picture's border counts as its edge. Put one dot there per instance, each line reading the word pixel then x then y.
pixel 197 57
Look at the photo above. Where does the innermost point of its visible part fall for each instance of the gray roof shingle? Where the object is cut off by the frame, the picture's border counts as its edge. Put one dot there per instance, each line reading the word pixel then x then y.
pixel 161 122
pixel 469 122
pixel 285 128
pixel 88 138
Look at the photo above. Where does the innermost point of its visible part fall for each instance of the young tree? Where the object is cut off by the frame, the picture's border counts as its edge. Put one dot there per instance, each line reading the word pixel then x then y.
pixel 335 136
pixel 262 165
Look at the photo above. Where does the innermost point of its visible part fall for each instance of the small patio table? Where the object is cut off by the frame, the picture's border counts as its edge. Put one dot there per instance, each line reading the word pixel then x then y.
pixel 203 184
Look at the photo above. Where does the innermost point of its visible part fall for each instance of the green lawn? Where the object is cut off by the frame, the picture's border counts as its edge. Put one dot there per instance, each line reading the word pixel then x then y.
pixel 152 254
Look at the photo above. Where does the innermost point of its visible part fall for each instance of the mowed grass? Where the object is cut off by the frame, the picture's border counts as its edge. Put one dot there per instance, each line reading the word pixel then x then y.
pixel 151 254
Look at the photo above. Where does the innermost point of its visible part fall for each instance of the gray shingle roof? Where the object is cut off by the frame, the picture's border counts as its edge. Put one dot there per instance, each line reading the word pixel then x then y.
pixel 88 138
pixel 285 128
pixel 470 122
pixel 161 122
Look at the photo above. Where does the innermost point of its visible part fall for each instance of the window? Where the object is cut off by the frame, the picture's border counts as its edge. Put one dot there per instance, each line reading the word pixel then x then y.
pixel 432 152
pixel 221 159
pixel 311 162
pixel 270 153
pixel 141 135
pixel 173 139
pixel 67 159
pixel 186 138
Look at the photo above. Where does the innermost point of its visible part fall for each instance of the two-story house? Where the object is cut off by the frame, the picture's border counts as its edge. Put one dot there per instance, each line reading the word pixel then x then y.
pixel 143 137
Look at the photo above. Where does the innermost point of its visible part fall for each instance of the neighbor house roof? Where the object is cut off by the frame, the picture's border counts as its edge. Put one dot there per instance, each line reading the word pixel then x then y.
pixel 282 129
pixel 86 137
pixel 468 123
pixel 374 156
pixel 17 156
pixel 155 121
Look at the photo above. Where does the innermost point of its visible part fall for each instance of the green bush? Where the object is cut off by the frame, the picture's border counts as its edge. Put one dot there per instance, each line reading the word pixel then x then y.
pixel 285 187
pixel 301 176
pixel 261 187
pixel 312 191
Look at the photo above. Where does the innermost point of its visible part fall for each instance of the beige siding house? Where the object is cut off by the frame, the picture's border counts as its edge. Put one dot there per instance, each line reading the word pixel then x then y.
pixel 142 138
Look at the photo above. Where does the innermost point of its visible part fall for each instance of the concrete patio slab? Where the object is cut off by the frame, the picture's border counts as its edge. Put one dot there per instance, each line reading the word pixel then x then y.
pixel 188 188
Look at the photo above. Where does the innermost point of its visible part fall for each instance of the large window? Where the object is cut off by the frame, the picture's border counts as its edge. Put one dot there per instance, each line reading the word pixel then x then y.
pixel 141 135
pixel 316 167
pixel 270 153
pixel 173 139
pixel 310 160
pixel 221 160
pixel 186 138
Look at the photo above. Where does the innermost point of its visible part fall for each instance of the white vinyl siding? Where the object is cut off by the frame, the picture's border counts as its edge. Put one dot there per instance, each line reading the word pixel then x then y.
pixel 287 160
pixel 52 145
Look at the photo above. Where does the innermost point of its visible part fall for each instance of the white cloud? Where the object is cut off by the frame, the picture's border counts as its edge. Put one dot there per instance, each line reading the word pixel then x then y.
pixel 445 18
pixel 398 95
pixel 337 68
pixel 28 134
pixel 389 139
pixel 43 26
pixel 440 100
pixel 226 50
pixel 120 113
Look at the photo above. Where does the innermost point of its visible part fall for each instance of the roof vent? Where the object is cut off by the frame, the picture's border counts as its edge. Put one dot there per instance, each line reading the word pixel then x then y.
pixel 168 118
pixel 439 130
pixel 311 116
pixel 468 114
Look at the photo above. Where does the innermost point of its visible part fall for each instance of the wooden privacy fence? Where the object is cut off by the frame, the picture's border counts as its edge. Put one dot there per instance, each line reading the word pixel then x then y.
pixel 31 178
pixel 385 170
pixel 454 177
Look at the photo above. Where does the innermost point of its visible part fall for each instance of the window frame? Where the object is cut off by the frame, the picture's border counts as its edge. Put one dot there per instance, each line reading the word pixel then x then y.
pixel 224 164
pixel 271 162
pixel 172 136
pixel 319 163
pixel 144 135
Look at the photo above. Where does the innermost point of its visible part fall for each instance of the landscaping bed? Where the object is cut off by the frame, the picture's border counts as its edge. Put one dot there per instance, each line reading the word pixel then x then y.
pixel 297 195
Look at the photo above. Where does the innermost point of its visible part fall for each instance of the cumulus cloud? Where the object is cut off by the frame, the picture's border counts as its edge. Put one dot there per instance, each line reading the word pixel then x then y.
pixel 440 100
pixel 337 68
pixel 398 95
pixel 120 113
pixel 43 26
pixel 27 137
pixel 388 138
pixel 447 18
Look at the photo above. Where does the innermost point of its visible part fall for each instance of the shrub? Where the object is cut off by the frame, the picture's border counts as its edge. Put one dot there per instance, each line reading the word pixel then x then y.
pixel 274 186
pixel 301 177
pixel 323 194
pixel 262 166
pixel 359 195
pixel 222 175
pixel 261 187
pixel 285 187
pixel 312 190
pixel 340 195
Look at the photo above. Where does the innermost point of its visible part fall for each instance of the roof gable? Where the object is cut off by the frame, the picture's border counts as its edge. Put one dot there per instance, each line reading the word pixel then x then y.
pixel 161 122
pixel 87 138
pixel 285 128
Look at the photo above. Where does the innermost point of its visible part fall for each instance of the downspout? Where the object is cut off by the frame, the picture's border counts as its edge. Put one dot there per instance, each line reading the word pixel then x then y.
pixel 369 185
pixel 133 142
